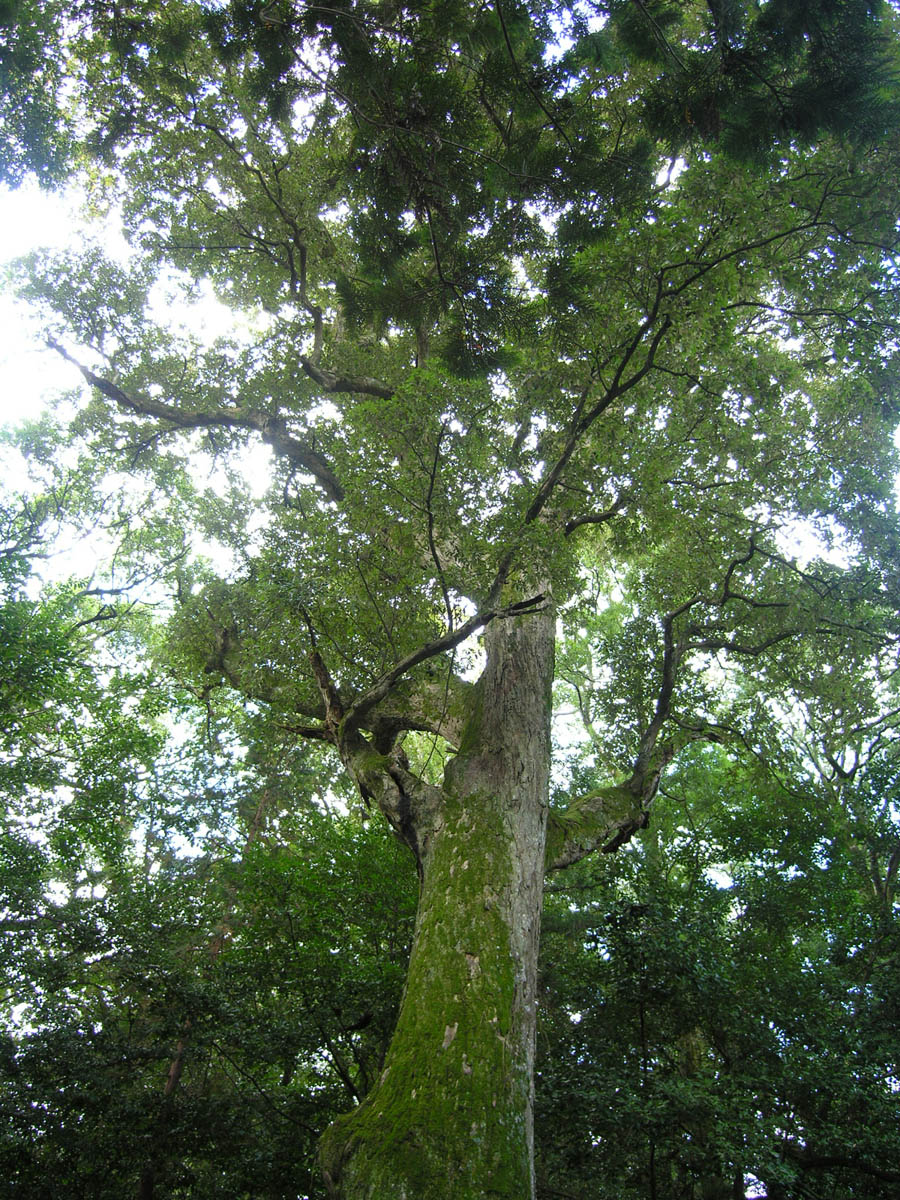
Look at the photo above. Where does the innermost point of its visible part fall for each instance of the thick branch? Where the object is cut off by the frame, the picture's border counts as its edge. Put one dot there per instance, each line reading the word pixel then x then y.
pixel 599 518
pixel 435 703
pixel 432 545
pixel 328 381
pixel 411 805
pixel 746 649
pixel 608 818
pixel 673 653
pixel 583 420
pixel 603 820
pixel 382 686
pixel 272 428
pixel 808 1161
pixel 334 709
pixel 379 768
pixel 438 705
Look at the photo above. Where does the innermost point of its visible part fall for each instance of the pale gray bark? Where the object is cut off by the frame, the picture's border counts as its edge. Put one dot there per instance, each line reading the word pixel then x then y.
pixel 451 1116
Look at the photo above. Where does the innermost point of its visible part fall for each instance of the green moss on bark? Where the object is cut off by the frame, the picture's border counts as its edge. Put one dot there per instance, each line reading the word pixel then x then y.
pixel 451 1117
pixel 446 1119
pixel 590 822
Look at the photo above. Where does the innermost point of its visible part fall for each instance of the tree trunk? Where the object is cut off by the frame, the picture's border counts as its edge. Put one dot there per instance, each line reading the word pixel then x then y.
pixel 451 1116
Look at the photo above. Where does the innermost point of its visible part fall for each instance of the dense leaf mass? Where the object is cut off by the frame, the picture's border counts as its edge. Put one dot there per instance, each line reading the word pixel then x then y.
pixel 435 332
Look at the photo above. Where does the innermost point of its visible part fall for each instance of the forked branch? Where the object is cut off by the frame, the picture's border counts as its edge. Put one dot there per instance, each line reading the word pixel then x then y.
pixel 272 427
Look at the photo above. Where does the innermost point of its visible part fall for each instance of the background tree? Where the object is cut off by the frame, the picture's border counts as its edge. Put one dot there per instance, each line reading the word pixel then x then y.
pixel 700 1036
pixel 548 316
pixel 176 1017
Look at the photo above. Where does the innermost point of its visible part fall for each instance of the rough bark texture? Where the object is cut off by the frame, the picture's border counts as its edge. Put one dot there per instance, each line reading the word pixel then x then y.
pixel 451 1115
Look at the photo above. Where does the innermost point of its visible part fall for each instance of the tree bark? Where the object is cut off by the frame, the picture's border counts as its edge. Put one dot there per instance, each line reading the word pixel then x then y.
pixel 450 1117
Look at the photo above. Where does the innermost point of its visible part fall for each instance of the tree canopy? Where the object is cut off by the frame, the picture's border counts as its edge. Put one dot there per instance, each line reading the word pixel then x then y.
pixel 543 480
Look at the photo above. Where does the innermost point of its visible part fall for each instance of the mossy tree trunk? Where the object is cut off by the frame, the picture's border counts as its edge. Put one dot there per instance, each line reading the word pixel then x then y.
pixel 450 1118
pixel 451 1115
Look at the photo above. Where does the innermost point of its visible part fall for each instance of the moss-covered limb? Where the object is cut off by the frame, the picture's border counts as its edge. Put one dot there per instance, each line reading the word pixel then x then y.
pixel 378 766
pixel 375 758
pixel 606 819
pixel 411 805
pixel 603 820
pixel 438 703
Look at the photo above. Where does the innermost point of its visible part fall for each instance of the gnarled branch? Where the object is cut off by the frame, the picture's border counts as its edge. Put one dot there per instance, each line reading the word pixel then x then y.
pixel 272 427
pixel 328 381
pixel 608 818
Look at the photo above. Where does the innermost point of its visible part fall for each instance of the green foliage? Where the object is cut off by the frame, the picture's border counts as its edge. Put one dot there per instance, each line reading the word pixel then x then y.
pixel 35 130
pixel 523 300
pixel 160 907
pixel 714 998
pixel 717 1002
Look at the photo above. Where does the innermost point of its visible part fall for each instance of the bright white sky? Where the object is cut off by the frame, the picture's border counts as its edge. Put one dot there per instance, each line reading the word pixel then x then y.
pixel 31 374
pixel 29 219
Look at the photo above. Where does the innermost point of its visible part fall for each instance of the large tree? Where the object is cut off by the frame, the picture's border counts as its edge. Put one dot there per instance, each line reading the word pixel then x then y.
pixel 556 321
